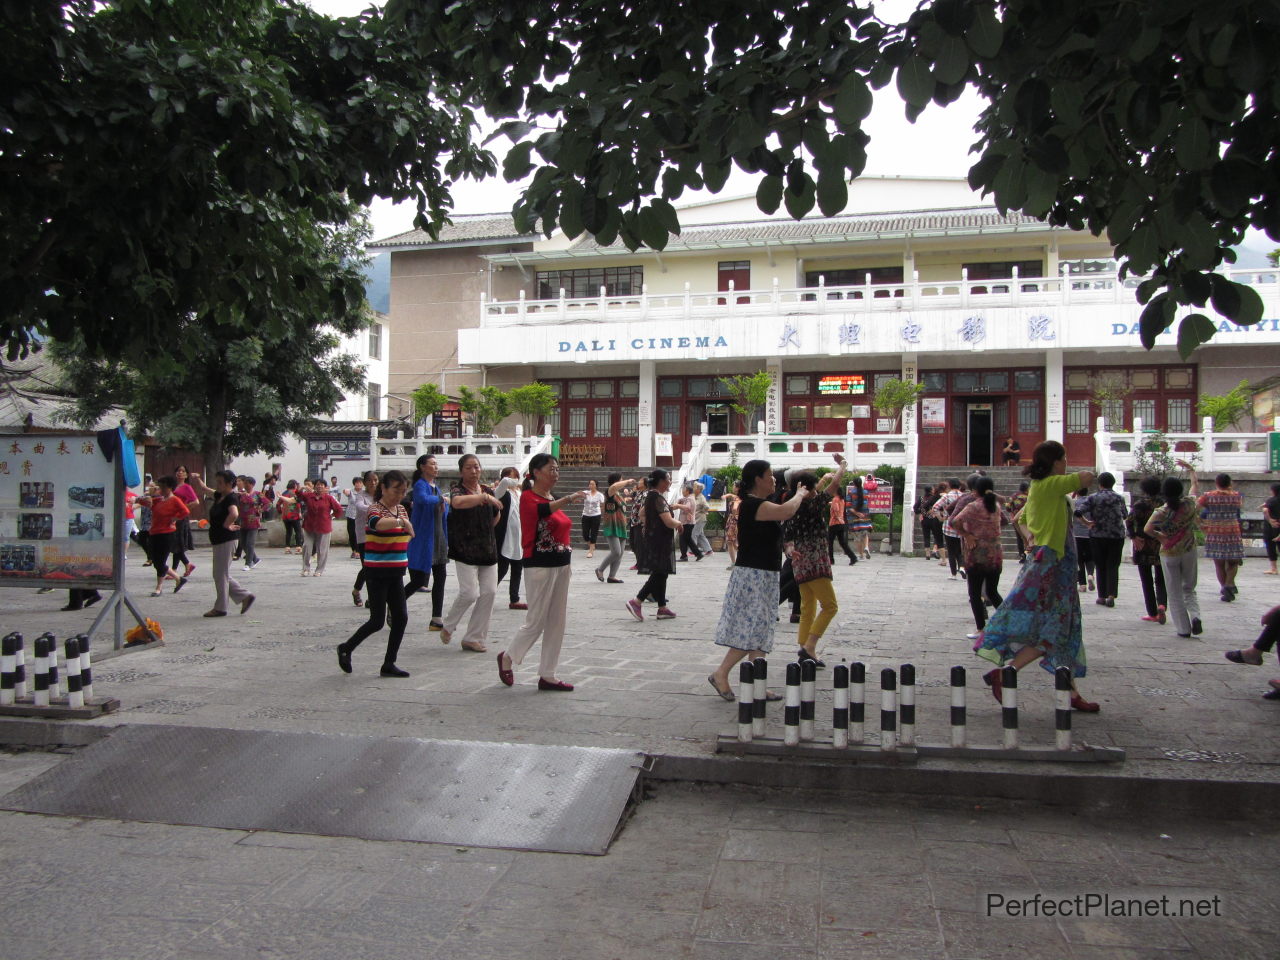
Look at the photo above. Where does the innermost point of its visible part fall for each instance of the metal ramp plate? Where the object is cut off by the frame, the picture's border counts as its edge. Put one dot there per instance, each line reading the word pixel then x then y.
pixel 513 796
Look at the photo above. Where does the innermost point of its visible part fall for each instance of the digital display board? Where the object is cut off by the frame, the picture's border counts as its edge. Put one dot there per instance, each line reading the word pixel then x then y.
pixel 843 383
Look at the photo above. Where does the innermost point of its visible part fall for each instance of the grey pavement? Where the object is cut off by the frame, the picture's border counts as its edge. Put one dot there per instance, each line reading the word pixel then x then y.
pixel 698 872
pixel 1176 706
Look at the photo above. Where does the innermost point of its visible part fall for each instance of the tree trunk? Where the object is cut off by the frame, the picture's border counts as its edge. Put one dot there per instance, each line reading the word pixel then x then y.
pixel 213 447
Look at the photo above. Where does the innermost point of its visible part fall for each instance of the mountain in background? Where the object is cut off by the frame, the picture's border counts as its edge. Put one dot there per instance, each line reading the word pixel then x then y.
pixel 377 285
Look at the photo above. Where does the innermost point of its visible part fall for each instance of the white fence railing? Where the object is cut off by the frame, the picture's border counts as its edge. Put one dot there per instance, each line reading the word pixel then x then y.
pixel 1207 450
pixel 864 452
pixel 402 452
pixel 775 300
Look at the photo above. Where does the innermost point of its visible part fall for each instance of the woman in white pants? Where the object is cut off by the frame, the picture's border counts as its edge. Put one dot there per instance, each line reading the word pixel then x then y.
pixel 701 510
pixel 1174 525
pixel 473 549
pixel 547 552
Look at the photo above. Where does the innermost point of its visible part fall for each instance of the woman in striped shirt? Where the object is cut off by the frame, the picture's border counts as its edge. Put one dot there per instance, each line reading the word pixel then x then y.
pixel 386 557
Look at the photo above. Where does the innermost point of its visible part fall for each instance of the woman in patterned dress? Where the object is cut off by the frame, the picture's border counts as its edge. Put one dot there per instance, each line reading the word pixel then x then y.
pixel 1222 542
pixel 1040 617
pixel 806 537
pixel 979 525
pixel 731 504
pixel 751 600
pixel 1174 526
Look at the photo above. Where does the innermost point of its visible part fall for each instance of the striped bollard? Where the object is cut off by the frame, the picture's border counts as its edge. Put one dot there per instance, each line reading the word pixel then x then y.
pixel 1062 713
pixel 54 688
pixel 907 705
pixel 958 716
pixel 1009 707
pixel 857 703
pixel 746 699
pixel 808 696
pixel 20 669
pixel 86 667
pixel 840 713
pixel 8 669
pixel 75 697
pixel 888 709
pixel 40 647
pixel 760 703
pixel 791 709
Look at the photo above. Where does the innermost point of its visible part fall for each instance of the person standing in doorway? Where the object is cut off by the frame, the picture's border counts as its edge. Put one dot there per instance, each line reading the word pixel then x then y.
pixel 546 530
pixel 473 515
pixel 659 539
pixel 1104 512
pixel 592 505
pixel 507 533
pixel 429 551
pixel 321 509
pixel 224 532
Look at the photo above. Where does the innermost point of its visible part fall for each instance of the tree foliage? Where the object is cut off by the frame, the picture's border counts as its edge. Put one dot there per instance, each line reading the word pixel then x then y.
pixel 750 392
pixel 428 400
pixel 1227 409
pixel 896 395
pixel 487 406
pixel 531 401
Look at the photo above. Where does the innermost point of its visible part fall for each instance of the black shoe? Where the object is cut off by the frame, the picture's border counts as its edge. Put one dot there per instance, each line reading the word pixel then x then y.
pixel 1197 627
pixel 391 670
pixel 70 607
pixel 963 575
pixel 91 600
pixel 1111 601
pixel 344 659
pixel 852 561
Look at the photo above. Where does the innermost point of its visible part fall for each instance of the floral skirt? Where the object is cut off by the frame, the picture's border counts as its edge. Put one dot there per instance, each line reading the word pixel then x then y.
pixel 750 610
pixel 1042 610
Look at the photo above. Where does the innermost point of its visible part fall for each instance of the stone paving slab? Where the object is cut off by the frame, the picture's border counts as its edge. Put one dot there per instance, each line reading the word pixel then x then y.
pixel 1176 706
pixel 697 872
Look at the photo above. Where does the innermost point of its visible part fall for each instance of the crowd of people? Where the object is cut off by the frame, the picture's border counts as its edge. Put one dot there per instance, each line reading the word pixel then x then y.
pixel 781 529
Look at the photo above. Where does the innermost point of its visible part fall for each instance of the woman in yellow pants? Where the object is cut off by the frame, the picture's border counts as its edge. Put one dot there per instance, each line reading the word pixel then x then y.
pixel 805 537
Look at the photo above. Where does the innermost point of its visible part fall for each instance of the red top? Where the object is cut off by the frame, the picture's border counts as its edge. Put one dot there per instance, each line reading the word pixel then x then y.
pixel 166 513
pixel 129 497
pixel 186 493
pixel 322 510
pixel 545 534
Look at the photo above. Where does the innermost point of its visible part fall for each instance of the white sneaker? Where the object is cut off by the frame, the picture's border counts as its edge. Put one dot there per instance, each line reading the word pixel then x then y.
pixel 971 636
pixel 247 567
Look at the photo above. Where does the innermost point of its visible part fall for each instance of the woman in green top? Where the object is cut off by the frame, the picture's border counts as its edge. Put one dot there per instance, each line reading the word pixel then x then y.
pixel 1040 616
pixel 614 528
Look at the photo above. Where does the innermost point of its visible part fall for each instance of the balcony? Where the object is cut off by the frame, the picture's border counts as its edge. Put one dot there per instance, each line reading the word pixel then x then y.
pixel 777 301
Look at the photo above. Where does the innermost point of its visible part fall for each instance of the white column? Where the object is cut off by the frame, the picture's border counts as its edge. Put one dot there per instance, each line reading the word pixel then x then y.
pixel 1053 402
pixel 910 374
pixel 648 410
pixel 773 418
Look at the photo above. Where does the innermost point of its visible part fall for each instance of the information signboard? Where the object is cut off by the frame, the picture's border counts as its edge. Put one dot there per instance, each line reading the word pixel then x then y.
pixel 58 511
pixel 843 383
pixel 879 499
pixel 1273 446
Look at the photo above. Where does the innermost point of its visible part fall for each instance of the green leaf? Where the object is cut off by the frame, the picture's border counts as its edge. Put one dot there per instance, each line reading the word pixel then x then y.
pixel 186 60
pixel 651 229
pixel 1235 301
pixel 986 33
pixel 915 82
pixel 1194 330
pixel 800 203
pixel 667 215
pixel 1155 319
pixel 833 194
pixel 982 173
pixel 952 60
pixel 1193 145
pixel 714 174
pixel 1010 185
pixel 769 194
pixel 853 102
pixel 571 210
pixel 517 165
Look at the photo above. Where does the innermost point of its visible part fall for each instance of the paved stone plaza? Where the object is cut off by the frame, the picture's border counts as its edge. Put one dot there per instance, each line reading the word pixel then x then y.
pixel 698 871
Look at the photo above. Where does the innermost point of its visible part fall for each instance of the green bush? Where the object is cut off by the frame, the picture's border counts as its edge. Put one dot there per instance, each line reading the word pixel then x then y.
pixel 895 475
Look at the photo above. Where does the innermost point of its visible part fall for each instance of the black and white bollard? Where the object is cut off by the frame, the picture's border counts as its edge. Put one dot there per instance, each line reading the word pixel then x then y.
pixel 791 709
pixel 1009 707
pixel 840 712
pixel 857 703
pixel 907 705
pixel 9 669
pixel 808 697
pixel 75 696
pixel 86 667
pixel 40 647
pixel 888 709
pixel 760 702
pixel 746 697
pixel 1062 711
pixel 20 669
pixel 54 688
pixel 958 716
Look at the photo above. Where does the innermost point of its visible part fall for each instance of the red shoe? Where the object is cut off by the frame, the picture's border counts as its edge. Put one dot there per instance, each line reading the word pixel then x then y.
pixel 508 677
pixel 1152 619
pixel 545 684
pixel 995 680
pixel 1160 617
pixel 1084 706
pixel 517 606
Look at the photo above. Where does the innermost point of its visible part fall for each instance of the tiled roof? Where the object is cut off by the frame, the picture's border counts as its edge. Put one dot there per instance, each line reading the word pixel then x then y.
pixel 481 228
pixel 829 229
pixel 352 428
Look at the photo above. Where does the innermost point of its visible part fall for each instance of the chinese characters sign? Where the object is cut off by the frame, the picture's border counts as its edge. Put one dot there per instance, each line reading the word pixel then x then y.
pixel 57 510
pixel 844 383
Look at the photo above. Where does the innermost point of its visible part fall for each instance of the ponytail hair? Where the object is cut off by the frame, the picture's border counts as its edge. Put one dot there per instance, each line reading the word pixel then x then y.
pixel 1172 492
pixel 1045 455
pixel 985 487
pixel 392 478
pixel 539 461
pixel 656 477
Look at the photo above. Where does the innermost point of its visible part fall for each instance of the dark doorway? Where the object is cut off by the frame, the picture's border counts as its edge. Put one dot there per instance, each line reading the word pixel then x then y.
pixel 980 434
pixel 717 419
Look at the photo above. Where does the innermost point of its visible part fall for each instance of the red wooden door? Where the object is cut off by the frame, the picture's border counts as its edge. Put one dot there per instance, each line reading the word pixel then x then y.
pixel 734 275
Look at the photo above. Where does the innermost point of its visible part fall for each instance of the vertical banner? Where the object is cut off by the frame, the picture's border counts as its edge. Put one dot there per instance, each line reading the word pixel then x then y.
pixel 58 511
pixel 933 413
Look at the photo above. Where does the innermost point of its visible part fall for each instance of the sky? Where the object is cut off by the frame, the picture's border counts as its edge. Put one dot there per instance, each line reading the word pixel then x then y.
pixel 937 144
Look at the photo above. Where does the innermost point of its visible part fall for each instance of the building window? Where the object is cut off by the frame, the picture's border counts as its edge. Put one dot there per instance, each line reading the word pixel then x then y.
pixel 577 421
pixel 375 341
pixel 878 276
pixel 373 396
pixel 880 379
pixel 1145 410
pixel 1029 416
pixel 1028 380
pixel 1002 420
pixel 670 418
pixel 579 390
pixel 670 387
pixel 1179 378
pixel 557 389
pixel 602 388
pixel 798 386
pixel 996 382
pixel 617 282
pixel 935 383
pixel 552 422
pixel 629 388
pixel 629 422
pixel 1077 379
pixel 1002 270
pixel 965 382
pixel 798 419
pixel 1179 419
pixel 1144 379
pixel 699 387
pixel 1078 416
pixel 604 421
pixel 1113 414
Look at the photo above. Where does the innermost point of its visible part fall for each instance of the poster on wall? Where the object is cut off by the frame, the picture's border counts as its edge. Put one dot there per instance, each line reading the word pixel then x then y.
pixel 662 445
pixel 57 511
pixel 933 413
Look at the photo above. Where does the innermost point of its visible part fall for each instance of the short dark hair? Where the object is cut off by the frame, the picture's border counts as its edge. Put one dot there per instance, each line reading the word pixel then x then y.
pixel 1106 480
pixel 1222 480
pixel 227 476
pixel 1043 457
pixel 1151 486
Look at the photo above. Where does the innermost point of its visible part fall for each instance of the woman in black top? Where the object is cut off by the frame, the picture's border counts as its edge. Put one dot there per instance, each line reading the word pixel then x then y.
pixel 658 532
pixel 473 513
pixel 1012 452
pixel 750 602
pixel 1271 527
pixel 224 534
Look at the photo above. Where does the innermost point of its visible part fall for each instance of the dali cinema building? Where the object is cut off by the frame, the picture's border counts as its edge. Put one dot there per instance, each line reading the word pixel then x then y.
pixel 1010 325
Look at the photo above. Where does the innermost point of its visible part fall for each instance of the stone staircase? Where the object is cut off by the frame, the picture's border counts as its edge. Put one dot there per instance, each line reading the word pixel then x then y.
pixel 1006 480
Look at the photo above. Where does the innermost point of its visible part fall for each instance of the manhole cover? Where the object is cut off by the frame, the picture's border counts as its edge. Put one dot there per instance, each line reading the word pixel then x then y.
pixel 168 706
pixel 1205 756
pixel 123 676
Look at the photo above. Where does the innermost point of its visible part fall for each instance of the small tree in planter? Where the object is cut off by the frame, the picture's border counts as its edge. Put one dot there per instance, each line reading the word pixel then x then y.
pixel 1108 392
pixel 532 402
pixel 749 393
pixel 894 396
pixel 487 406
pixel 427 401
pixel 1226 410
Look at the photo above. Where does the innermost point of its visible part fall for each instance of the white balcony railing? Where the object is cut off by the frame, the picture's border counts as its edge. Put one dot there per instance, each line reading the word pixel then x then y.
pixel 863 452
pixel 402 452
pixel 795 301
pixel 1207 450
